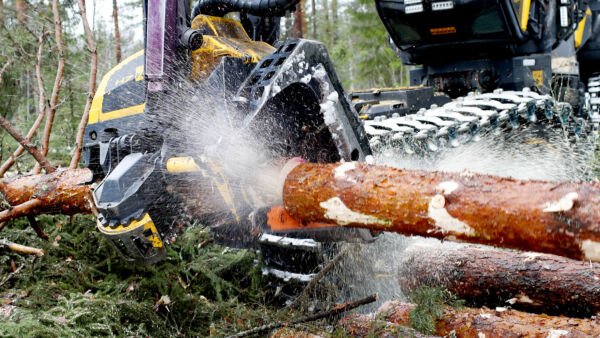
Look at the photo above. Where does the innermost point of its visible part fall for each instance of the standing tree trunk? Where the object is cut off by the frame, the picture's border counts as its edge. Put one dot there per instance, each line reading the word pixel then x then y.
pixel 313 6
pixel 91 84
pixel 334 16
pixel 2 11
pixel 327 23
pixel 57 81
pixel 491 277
pixel 21 8
pixel 299 25
pixel 117 33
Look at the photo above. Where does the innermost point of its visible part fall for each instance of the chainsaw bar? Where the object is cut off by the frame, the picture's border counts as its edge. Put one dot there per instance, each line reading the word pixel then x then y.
pixel 468 118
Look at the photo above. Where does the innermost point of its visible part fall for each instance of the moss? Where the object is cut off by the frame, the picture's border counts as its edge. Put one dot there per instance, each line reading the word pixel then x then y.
pixel 430 303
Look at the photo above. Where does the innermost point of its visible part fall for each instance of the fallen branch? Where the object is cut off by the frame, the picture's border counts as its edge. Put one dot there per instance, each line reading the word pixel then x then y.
pixel 63 191
pixel 313 282
pixel 557 218
pixel 335 311
pixel 493 277
pixel 471 322
pixel 41 108
pixel 91 85
pixel 10 275
pixel 36 227
pixel 22 248
pixel 39 157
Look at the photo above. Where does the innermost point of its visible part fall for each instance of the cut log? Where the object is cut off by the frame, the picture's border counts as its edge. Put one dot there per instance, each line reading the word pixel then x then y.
pixel 491 277
pixel 471 322
pixel 558 218
pixel 63 191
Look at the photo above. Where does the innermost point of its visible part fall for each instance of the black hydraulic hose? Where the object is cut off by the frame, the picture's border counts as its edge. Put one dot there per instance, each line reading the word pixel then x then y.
pixel 264 8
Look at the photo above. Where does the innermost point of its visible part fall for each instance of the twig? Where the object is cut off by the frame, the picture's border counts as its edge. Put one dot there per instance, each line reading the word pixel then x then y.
pixel 21 248
pixel 57 81
pixel 10 275
pixel 36 227
pixel 3 224
pixel 3 69
pixel 318 277
pixel 335 311
pixel 20 210
pixel 91 86
pixel 41 158
pixel 41 107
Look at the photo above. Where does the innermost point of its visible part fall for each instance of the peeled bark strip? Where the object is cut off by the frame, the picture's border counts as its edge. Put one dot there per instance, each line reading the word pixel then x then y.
pixel 470 322
pixel 493 277
pixel 61 192
pixel 558 218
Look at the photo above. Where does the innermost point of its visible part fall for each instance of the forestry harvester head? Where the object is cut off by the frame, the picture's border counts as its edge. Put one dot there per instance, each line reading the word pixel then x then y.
pixel 155 172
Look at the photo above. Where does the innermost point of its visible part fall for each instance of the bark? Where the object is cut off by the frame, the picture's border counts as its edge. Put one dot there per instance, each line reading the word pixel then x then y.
pixel 368 326
pixel 557 218
pixel 117 33
pixel 327 23
pixel 22 248
pixel 471 322
pixel 41 108
pixel 39 157
pixel 493 277
pixel 60 69
pixel 313 19
pixel 299 25
pixel 1 11
pixel 64 192
pixel 91 83
pixel 334 17
pixel 21 9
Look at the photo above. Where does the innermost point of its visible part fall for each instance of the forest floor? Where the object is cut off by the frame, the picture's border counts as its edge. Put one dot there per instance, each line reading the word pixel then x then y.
pixel 81 287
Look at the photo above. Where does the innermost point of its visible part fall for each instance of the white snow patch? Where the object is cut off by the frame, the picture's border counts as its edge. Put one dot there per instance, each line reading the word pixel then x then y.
pixel 480 334
pixel 500 309
pixel 564 204
pixel 287 276
pixel 591 249
pixel 447 187
pixel 340 171
pixel 443 220
pixel 333 96
pixel 557 333
pixel 369 159
pixel 336 210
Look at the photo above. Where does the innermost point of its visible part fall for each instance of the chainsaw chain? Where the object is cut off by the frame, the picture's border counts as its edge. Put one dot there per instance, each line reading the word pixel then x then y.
pixel 468 118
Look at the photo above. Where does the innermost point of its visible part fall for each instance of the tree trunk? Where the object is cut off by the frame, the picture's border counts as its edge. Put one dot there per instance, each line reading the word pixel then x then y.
pixel 557 218
pixel 21 9
pixel 470 322
pixel 64 192
pixel 493 277
pixel 299 25
pixel 313 19
pixel 117 33
pixel 327 23
pixel 334 16
pixel 2 11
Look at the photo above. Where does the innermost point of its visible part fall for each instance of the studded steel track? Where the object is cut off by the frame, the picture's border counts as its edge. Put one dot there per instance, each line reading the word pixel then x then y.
pixel 468 118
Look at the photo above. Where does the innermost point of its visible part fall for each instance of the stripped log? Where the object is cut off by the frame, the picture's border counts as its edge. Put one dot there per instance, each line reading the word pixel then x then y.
pixel 63 191
pixel 485 276
pixel 471 322
pixel 558 218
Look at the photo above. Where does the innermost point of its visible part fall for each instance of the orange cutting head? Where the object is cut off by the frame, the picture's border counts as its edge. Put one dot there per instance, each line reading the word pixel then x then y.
pixel 280 220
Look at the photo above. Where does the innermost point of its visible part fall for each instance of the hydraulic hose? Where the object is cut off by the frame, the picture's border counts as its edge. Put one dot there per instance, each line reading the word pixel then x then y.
pixel 263 8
